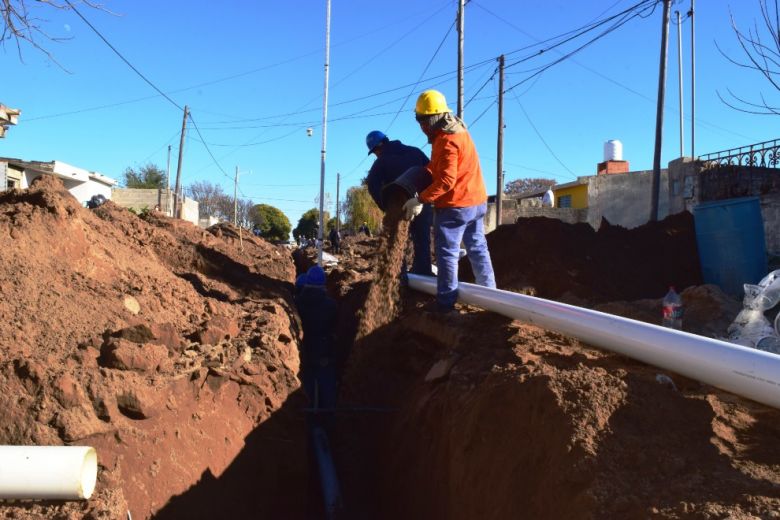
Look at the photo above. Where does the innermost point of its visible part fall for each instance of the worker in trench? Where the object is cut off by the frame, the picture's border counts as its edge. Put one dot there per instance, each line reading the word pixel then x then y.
pixel 458 195
pixel 318 312
pixel 393 158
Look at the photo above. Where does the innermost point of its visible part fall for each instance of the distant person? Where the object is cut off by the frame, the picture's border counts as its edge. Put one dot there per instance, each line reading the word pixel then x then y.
pixel 458 195
pixel 393 158
pixel 548 200
pixel 335 240
pixel 319 314
pixel 365 229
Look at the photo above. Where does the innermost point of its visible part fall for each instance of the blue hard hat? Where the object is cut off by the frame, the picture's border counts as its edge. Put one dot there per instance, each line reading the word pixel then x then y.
pixel 374 139
pixel 315 275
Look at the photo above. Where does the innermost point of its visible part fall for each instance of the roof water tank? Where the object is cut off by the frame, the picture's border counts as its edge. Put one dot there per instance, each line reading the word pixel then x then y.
pixel 613 150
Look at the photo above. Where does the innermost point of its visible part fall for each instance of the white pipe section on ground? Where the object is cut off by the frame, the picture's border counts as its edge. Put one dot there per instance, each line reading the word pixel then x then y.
pixel 47 472
pixel 751 373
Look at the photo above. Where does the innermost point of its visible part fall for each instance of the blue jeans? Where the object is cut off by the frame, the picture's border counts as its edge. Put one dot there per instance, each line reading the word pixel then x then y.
pixel 420 233
pixel 454 225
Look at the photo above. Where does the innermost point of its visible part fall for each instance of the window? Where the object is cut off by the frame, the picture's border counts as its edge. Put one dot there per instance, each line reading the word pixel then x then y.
pixel 564 201
pixel 11 183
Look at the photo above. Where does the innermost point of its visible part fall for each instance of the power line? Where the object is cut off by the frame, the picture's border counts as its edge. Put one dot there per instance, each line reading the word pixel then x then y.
pixel 147 80
pixel 419 78
pixel 541 138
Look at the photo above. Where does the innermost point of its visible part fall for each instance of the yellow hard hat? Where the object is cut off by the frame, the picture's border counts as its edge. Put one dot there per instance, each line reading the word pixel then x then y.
pixel 431 102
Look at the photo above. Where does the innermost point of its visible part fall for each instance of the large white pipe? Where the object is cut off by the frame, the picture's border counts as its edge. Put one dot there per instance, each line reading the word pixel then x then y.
pixel 751 373
pixel 47 472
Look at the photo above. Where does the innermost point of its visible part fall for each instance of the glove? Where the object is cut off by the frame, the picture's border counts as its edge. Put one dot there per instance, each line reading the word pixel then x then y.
pixel 412 208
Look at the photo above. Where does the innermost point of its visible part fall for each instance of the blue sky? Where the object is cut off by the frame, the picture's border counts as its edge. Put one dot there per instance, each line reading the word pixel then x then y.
pixel 252 75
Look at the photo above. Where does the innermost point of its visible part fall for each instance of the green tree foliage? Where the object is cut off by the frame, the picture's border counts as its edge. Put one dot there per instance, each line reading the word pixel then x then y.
pixel 359 207
pixel 307 224
pixel 331 224
pixel 527 185
pixel 148 176
pixel 272 223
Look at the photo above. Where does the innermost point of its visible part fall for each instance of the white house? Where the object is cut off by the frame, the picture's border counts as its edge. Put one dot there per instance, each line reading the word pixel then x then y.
pixel 81 183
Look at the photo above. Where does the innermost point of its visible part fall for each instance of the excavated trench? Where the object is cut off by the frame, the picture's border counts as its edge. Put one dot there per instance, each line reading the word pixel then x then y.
pixel 174 352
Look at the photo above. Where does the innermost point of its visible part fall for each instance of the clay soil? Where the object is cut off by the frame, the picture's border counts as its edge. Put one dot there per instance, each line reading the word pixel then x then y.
pixel 173 351
pixel 476 416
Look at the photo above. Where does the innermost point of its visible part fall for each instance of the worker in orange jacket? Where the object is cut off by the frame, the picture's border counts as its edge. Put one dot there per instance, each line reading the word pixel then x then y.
pixel 458 196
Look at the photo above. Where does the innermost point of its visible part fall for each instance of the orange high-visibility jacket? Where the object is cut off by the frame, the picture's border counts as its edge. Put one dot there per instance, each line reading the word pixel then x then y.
pixel 457 176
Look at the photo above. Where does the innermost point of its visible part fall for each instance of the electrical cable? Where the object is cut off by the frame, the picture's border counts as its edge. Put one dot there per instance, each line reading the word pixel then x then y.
pixel 147 80
pixel 541 138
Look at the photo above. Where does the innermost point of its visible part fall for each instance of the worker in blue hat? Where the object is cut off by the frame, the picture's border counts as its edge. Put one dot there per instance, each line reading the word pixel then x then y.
pixel 319 315
pixel 393 158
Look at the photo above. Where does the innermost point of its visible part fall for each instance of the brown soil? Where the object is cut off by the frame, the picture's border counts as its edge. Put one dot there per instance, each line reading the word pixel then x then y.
pixel 173 351
pixel 170 349
pixel 476 416
pixel 553 259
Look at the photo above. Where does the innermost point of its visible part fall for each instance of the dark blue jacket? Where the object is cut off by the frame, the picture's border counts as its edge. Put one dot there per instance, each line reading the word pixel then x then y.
pixel 319 314
pixel 396 158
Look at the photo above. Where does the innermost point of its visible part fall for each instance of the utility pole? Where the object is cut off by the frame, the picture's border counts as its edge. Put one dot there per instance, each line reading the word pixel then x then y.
pixel 177 203
pixel 693 84
pixel 500 145
pixel 235 199
pixel 680 77
pixel 659 118
pixel 461 13
pixel 338 185
pixel 324 132
pixel 168 185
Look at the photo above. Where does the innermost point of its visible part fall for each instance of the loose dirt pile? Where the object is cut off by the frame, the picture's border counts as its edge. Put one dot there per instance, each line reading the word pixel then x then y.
pixel 569 262
pixel 476 416
pixel 170 349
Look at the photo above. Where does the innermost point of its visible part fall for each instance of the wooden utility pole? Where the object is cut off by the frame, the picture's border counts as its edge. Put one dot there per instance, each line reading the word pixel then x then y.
pixel 177 203
pixel 659 118
pixel 461 13
pixel 235 199
pixel 338 185
pixel 693 84
pixel 500 144
pixel 680 77
pixel 168 209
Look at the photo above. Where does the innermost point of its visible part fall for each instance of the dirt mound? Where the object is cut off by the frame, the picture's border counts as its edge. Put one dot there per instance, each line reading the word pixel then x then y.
pixel 473 415
pixel 550 258
pixel 165 346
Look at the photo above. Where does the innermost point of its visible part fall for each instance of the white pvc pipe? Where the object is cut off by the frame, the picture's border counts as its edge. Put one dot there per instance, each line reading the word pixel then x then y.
pixel 47 472
pixel 751 373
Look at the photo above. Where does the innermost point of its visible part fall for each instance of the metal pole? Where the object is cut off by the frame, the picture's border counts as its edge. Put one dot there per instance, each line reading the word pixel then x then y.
pixel 177 203
pixel 693 83
pixel 461 13
pixel 338 182
pixel 680 77
pixel 500 144
pixel 324 132
pixel 659 120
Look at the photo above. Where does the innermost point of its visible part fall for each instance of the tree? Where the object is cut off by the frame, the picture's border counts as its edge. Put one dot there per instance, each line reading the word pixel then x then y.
pixel 148 176
pixel 308 223
pixel 212 201
pixel 272 223
pixel 527 185
pixel 762 55
pixel 21 22
pixel 359 207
